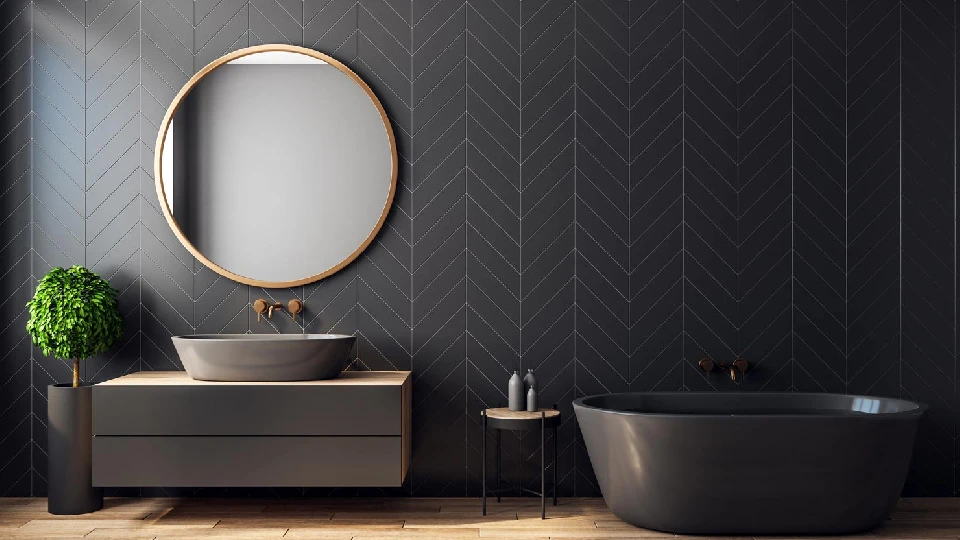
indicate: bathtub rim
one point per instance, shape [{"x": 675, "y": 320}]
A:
[{"x": 919, "y": 407}]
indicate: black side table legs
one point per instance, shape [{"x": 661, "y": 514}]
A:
[{"x": 500, "y": 419}]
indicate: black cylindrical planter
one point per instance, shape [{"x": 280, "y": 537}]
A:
[{"x": 70, "y": 451}]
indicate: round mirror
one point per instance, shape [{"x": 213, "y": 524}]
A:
[{"x": 276, "y": 166}]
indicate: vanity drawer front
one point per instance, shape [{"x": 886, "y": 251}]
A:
[
  {"x": 247, "y": 461},
  {"x": 249, "y": 409}
]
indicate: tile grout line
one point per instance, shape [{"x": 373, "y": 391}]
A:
[
  {"x": 739, "y": 135},
  {"x": 576, "y": 226},
  {"x": 739, "y": 322},
  {"x": 900, "y": 196},
  {"x": 683, "y": 195},
  {"x": 410, "y": 180},
  {"x": 846, "y": 198},
  {"x": 793, "y": 196},
  {"x": 248, "y": 287},
  {"x": 86, "y": 28},
  {"x": 140, "y": 201},
  {"x": 33, "y": 276},
  {"x": 193, "y": 260},
  {"x": 520, "y": 206},
  {"x": 466, "y": 259},
  {"x": 520, "y": 203}
]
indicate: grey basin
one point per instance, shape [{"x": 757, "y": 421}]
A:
[{"x": 255, "y": 357}]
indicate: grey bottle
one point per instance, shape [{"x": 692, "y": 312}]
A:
[
  {"x": 515, "y": 393},
  {"x": 529, "y": 380},
  {"x": 532, "y": 399}
]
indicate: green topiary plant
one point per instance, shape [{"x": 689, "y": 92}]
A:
[{"x": 74, "y": 314}]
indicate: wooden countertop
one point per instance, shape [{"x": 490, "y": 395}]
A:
[{"x": 347, "y": 378}]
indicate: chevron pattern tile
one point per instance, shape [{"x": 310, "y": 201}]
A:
[
  {"x": 605, "y": 191},
  {"x": 710, "y": 173},
  {"x": 819, "y": 198},
  {"x": 764, "y": 281},
  {"x": 873, "y": 198},
  {"x": 548, "y": 175},
  {"x": 494, "y": 123},
  {"x": 656, "y": 210},
  {"x": 601, "y": 208},
  {"x": 438, "y": 242}
]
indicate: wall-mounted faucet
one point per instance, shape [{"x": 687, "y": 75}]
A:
[
  {"x": 261, "y": 306},
  {"x": 739, "y": 366}
]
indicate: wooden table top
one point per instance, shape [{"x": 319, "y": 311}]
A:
[
  {"x": 175, "y": 378},
  {"x": 503, "y": 413}
]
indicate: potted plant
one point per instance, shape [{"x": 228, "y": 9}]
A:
[{"x": 73, "y": 315}]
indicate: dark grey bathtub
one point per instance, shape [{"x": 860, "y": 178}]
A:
[{"x": 749, "y": 463}]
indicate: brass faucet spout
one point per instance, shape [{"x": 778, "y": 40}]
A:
[{"x": 261, "y": 306}]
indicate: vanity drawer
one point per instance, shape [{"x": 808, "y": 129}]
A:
[
  {"x": 247, "y": 461},
  {"x": 248, "y": 409}
]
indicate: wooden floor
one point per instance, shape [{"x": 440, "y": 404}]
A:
[{"x": 373, "y": 519}]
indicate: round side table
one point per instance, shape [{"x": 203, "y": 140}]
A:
[{"x": 503, "y": 418}]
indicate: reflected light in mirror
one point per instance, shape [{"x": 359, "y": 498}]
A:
[
  {"x": 276, "y": 57},
  {"x": 166, "y": 162}
]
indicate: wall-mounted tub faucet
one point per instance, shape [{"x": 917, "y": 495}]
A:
[{"x": 739, "y": 366}]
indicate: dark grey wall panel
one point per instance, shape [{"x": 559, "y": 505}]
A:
[
  {"x": 16, "y": 280},
  {"x": 928, "y": 237},
  {"x": 606, "y": 191}
]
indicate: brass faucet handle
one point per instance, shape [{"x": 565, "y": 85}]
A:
[
  {"x": 293, "y": 307},
  {"x": 260, "y": 306},
  {"x": 738, "y": 366},
  {"x": 706, "y": 364}
]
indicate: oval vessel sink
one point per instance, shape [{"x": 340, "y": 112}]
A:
[{"x": 255, "y": 357}]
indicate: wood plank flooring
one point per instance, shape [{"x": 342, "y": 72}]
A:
[{"x": 388, "y": 519}]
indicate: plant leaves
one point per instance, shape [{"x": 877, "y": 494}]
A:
[{"x": 74, "y": 314}]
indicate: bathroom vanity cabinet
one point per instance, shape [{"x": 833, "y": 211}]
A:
[{"x": 166, "y": 429}]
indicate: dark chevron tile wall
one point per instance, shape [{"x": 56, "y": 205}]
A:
[{"x": 603, "y": 190}]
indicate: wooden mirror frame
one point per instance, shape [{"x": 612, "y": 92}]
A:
[{"x": 161, "y": 139}]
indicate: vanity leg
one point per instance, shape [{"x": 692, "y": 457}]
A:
[
  {"x": 483, "y": 474},
  {"x": 554, "y": 466},
  {"x": 499, "y": 462}
]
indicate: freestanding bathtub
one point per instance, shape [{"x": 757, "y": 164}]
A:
[{"x": 749, "y": 463}]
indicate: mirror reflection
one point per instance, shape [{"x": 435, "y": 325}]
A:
[{"x": 276, "y": 167}]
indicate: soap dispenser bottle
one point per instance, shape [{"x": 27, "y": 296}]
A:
[
  {"x": 515, "y": 393},
  {"x": 529, "y": 380},
  {"x": 532, "y": 399}
]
